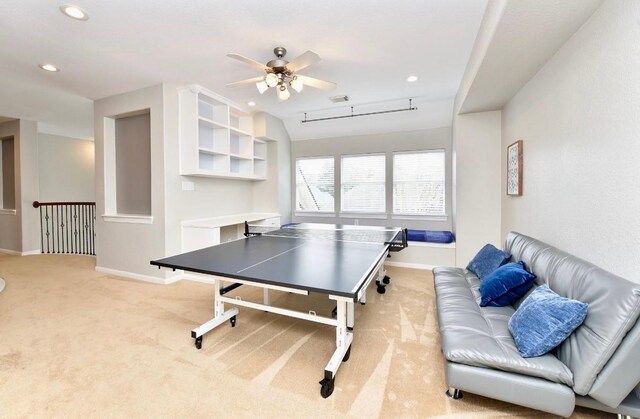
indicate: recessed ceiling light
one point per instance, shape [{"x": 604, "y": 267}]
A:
[
  {"x": 49, "y": 67},
  {"x": 411, "y": 79},
  {"x": 74, "y": 12},
  {"x": 251, "y": 103}
]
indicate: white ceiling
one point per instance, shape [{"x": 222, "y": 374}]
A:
[
  {"x": 526, "y": 36},
  {"x": 368, "y": 47}
]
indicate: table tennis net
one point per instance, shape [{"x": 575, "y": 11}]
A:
[{"x": 335, "y": 233}]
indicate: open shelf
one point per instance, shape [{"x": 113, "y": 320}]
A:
[
  {"x": 212, "y": 110},
  {"x": 240, "y": 121},
  {"x": 216, "y": 138},
  {"x": 214, "y": 163}
]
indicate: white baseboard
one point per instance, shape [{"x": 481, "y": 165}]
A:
[
  {"x": 205, "y": 279},
  {"x": 146, "y": 278},
  {"x": 39, "y": 252},
  {"x": 410, "y": 265},
  {"x": 11, "y": 252},
  {"x": 31, "y": 252}
]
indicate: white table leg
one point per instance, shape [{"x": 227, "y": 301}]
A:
[
  {"x": 344, "y": 338},
  {"x": 219, "y": 316}
]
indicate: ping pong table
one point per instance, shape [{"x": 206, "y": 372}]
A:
[{"x": 340, "y": 261}]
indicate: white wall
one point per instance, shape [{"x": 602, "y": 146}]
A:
[
  {"x": 274, "y": 194},
  {"x": 437, "y": 138},
  {"x": 579, "y": 118},
  {"x": 20, "y": 232},
  {"x": 29, "y": 189},
  {"x": 476, "y": 144},
  {"x": 211, "y": 197},
  {"x": 121, "y": 246},
  {"x": 10, "y": 233},
  {"x": 67, "y": 168}
]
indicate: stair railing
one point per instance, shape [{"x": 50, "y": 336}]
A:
[{"x": 67, "y": 227}]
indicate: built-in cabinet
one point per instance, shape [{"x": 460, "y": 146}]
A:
[
  {"x": 198, "y": 234},
  {"x": 216, "y": 138}
]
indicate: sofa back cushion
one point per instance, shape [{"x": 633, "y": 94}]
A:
[{"x": 614, "y": 305}]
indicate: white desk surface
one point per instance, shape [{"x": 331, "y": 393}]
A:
[{"x": 227, "y": 220}]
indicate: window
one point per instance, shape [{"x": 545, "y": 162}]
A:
[
  {"x": 315, "y": 189},
  {"x": 418, "y": 183},
  {"x": 7, "y": 177},
  {"x": 363, "y": 183}
]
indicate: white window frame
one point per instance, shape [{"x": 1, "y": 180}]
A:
[
  {"x": 363, "y": 214},
  {"x": 304, "y": 213},
  {"x": 429, "y": 217}
]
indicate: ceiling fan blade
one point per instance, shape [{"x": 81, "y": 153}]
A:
[
  {"x": 318, "y": 84},
  {"x": 244, "y": 82},
  {"x": 303, "y": 61},
  {"x": 252, "y": 63}
]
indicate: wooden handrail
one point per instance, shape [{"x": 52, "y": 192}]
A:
[{"x": 37, "y": 204}]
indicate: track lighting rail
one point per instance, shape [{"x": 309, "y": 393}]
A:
[{"x": 353, "y": 115}]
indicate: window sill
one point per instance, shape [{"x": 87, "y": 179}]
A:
[
  {"x": 314, "y": 214},
  {"x": 370, "y": 215},
  {"x": 7, "y": 211},
  {"x": 126, "y": 218},
  {"x": 419, "y": 217}
]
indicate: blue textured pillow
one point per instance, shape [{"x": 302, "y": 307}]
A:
[
  {"x": 505, "y": 285},
  {"x": 488, "y": 259},
  {"x": 544, "y": 321}
]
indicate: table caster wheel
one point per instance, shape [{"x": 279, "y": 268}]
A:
[
  {"x": 326, "y": 388},
  {"x": 386, "y": 279},
  {"x": 381, "y": 289},
  {"x": 233, "y": 321},
  {"x": 199, "y": 342},
  {"x": 347, "y": 355}
]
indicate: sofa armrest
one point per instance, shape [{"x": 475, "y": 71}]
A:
[{"x": 621, "y": 374}]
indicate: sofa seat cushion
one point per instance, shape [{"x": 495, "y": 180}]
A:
[{"x": 479, "y": 336}]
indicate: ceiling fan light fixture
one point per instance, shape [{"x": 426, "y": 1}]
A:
[
  {"x": 272, "y": 79},
  {"x": 262, "y": 86},
  {"x": 296, "y": 85},
  {"x": 283, "y": 93}
]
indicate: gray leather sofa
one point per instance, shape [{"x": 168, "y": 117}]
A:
[{"x": 598, "y": 366}]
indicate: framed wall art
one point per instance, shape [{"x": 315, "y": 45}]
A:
[{"x": 514, "y": 169}]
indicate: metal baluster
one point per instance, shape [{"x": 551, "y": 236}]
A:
[
  {"x": 46, "y": 219},
  {"x": 41, "y": 233},
  {"x": 93, "y": 229},
  {"x": 75, "y": 229},
  {"x": 84, "y": 230},
  {"x": 57, "y": 250},
  {"x": 66, "y": 230}
]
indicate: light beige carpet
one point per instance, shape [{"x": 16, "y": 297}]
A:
[{"x": 77, "y": 343}]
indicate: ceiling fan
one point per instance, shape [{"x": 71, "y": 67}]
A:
[{"x": 280, "y": 73}]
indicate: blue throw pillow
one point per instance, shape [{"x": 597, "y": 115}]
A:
[
  {"x": 544, "y": 321},
  {"x": 488, "y": 259},
  {"x": 505, "y": 285}
]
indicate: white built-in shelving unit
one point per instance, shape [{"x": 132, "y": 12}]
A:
[{"x": 216, "y": 138}]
